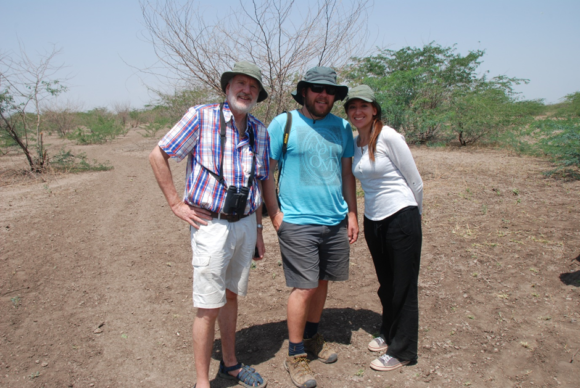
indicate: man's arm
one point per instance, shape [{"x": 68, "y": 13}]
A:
[
  {"x": 349, "y": 194},
  {"x": 269, "y": 186},
  {"x": 160, "y": 163}
]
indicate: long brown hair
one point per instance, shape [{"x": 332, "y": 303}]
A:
[
  {"x": 376, "y": 131},
  {"x": 377, "y": 125}
]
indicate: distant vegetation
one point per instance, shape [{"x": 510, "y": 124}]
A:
[{"x": 433, "y": 95}]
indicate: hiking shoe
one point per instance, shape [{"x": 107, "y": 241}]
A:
[
  {"x": 316, "y": 347},
  {"x": 387, "y": 363},
  {"x": 378, "y": 345},
  {"x": 299, "y": 369}
]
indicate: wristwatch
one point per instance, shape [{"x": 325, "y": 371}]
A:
[{"x": 259, "y": 226}]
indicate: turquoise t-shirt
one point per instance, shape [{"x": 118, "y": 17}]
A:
[{"x": 311, "y": 180}]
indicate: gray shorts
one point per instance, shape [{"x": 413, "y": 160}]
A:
[{"x": 314, "y": 252}]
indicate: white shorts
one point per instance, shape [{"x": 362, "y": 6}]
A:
[{"x": 222, "y": 256}]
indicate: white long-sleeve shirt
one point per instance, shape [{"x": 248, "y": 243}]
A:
[{"x": 392, "y": 182}]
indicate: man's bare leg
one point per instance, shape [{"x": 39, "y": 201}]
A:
[
  {"x": 227, "y": 320},
  {"x": 317, "y": 302},
  {"x": 298, "y": 307},
  {"x": 203, "y": 335}
]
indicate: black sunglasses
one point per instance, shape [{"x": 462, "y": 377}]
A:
[{"x": 330, "y": 90}]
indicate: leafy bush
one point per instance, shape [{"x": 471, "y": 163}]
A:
[
  {"x": 97, "y": 126},
  {"x": 66, "y": 161},
  {"x": 560, "y": 140},
  {"x": 433, "y": 93},
  {"x": 170, "y": 108},
  {"x": 570, "y": 107}
]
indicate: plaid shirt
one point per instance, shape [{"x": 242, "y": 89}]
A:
[{"x": 197, "y": 136}]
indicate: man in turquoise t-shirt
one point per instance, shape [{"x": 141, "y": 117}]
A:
[{"x": 318, "y": 216}]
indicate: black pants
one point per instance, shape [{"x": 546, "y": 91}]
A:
[{"x": 395, "y": 245}]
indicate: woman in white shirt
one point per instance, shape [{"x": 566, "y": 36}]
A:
[{"x": 392, "y": 225}]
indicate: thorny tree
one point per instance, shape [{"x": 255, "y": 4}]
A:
[
  {"x": 24, "y": 84},
  {"x": 283, "y": 38}
]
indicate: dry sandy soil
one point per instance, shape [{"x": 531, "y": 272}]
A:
[{"x": 95, "y": 281}]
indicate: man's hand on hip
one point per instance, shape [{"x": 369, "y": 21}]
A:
[{"x": 194, "y": 216}]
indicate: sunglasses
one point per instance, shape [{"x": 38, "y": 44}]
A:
[{"x": 330, "y": 90}]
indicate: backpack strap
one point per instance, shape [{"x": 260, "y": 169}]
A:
[
  {"x": 284, "y": 149},
  {"x": 286, "y": 133}
]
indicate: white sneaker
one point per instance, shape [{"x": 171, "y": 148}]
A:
[
  {"x": 378, "y": 345},
  {"x": 387, "y": 363}
]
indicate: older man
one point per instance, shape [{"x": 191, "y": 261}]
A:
[
  {"x": 228, "y": 157},
  {"x": 318, "y": 215}
]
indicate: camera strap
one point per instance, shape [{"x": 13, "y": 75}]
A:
[{"x": 223, "y": 126}]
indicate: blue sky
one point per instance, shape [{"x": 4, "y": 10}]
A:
[{"x": 103, "y": 42}]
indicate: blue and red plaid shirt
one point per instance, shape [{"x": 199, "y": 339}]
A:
[{"x": 197, "y": 136}]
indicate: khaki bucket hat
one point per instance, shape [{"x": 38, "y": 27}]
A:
[
  {"x": 245, "y": 68},
  {"x": 365, "y": 93}
]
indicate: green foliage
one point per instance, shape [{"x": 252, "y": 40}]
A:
[
  {"x": 433, "y": 93},
  {"x": 485, "y": 112},
  {"x": 66, "y": 161},
  {"x": 170, "y": 108},
  {"x": 96, "y": 127},
  {"x": 560, "y": 140},
  {"x": 570, "y": 107}
]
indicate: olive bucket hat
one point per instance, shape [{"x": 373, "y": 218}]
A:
[
  {"x": 319, "y": 76},
  {"x": 365, "y": 93},
  {"x": 245, "y": 68}
]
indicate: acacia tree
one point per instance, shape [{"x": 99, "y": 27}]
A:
[
  {"x": 415, "y": 85},
  {"x": 265, "y": 32},
  {"x": 24, "y": 85},
  {"x": 431, "y": 91}
]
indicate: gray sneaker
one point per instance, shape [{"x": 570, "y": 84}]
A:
[
  {"x": 299, "y": 369},
  {"x": 387, "y": 363}
]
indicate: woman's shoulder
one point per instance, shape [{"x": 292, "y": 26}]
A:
[{"x": 388, "y": 133}]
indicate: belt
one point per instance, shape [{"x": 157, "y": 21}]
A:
[{"x": 229, "y": 217}]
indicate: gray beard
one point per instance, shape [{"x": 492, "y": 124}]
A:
[{"x": 238, "y": 107}]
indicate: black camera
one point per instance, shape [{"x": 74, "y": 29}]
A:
[{"x": 236, "y": 200}]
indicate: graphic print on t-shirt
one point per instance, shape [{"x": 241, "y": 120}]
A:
[{"x": 320, "y": 158}]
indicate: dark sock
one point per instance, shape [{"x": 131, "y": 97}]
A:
[
  {"x": 296, "y": 348},
  {"x": 310, "y": 330}
]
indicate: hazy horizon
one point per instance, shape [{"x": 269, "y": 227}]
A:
[{"x": 104, "y": 44}]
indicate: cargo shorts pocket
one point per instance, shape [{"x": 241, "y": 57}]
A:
[{"x": 200, "y": 260}]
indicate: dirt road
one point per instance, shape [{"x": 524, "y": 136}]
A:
[{"x": 95, "y": 281}]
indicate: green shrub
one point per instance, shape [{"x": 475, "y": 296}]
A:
[
  {"x": 570, "y": 107},
  {"x": 66, "y": 161},
  {"x": 560, "y": 140},
  {"x": 557, "y": 139},
  {"x": 97, "y": 126}
]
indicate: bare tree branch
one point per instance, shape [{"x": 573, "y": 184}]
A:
[
  {"x": 24, "y": 85},
  {"x": 283, "y": 39}
]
